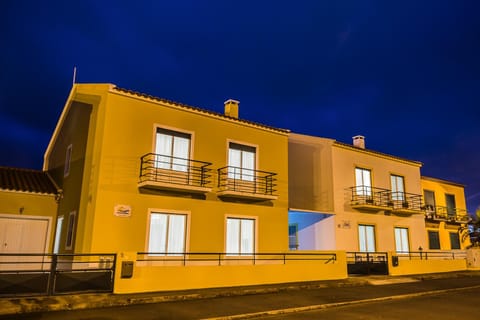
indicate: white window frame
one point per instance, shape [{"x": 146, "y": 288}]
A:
[
  {"x": 402, "y": 242},
  {"x": 397, "y": 184},
  {"x": 172, "y": 164},
  {"x": 168, "y": 214},
  {"x": 241, "y": 251},
  {"x": 68, "y": 160},
  {"x": 240, "y": 171},
  {"x": 366, "y": 240},
  {"x": 70, "y": 238},
  {"x": 363, "y": 186}
]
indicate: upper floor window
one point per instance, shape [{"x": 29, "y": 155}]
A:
[
  {"x": 429, "y": 198},
  {"x": 68, "y": 159},
  {"x": 172, "y": 149},
  {"x": 450, "y": 202},
  {"x": 398, "y": 187},
  {"x": 363, "y": 182},
  {"x": 241, "y": 160}
]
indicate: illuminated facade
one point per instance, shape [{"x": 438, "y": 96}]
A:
[
  {"x": 145, "y": 174},
  {"x": 446, "y": 215},
  {"x": 346, "y": 197}
]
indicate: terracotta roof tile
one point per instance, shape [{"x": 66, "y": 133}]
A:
[
  {"x": 26, "y": 180},
  {"x": 147, "y": 96}
]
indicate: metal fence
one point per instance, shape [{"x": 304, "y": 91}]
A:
[
  {"x": 432, "y": 255},
  {"x": 51, "y": 274},
  {"x": 221, "y": 258}
]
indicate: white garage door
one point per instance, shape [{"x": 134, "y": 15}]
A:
[{"x": 23, "y": 235}]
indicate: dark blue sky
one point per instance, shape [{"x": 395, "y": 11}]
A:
[{"x": 405, "y": 74}]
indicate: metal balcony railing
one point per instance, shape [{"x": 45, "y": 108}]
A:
[
  {"x": 441, "y": 213},
  {"x": 246, "y": 181},
  {"x": 157, "y": 169},
  {"x": 368, "y": 197}
]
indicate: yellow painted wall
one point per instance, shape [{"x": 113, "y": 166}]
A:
[
  {"x": 407, "y": 267},
  {"x": 440, "y": 188},
  {"x": 124, "y": 128},
  {"x": 164, "y": 278},
  {"x": 32, "y": 204}
]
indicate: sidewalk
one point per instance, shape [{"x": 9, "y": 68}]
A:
[{"x": 18, "y": 305}]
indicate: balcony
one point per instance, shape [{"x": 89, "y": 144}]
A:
[
  {"x": 451, "y": 215},
  {"x": 241, "y": 183},
  {"x": 372, "y": 199},
  {"x": 174, "y": 174}
]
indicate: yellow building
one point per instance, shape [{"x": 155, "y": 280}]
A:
[
  {"x": 346, "y": 197},
  {"x": 446, "y": 215},
  {"x": 28, "y": 207},
  {"x": 144, "y": 174}
]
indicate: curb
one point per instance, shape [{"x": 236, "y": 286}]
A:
[{"x": 338, "y": 304}]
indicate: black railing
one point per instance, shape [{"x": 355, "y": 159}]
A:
[
  {"x": 440, "y": 213},
  {"x": 158, "y": 168},
  {"x": 222, "y": 258},
  {"x": 247, "y": 181},
  {"x": 432, "y": 255},
  {"x": 24, "y": 273},
  {"x": 385, "y": 199}
]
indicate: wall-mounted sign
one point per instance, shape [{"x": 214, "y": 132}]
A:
[
  {"x": 122, "y": 210},
  {"x": 344, "y": 225}
]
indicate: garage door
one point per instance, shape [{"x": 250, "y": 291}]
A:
[{"x": 23, "y": 235}]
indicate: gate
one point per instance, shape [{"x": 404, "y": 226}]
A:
[
  {"x": 367, "y": 263},
  {"x": 50, "y": 274}
]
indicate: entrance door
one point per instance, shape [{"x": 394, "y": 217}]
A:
[{"x": 23, "y": 235}]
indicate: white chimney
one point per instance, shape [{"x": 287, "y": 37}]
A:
[
  {"x": 359, "y": 142},
  {"x": 231, "y": 108}
]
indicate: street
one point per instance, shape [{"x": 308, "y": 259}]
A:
[{"x": 459, "y": 298}]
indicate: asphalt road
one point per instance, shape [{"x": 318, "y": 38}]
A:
[
  {"x": 450, "y": 304},
  {"x": 446, "y": 306}
]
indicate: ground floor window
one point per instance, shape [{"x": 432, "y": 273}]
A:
[
  {"x": 58, "y": 234},
  {"x": 454, "y": 240},
  {"x": 167, "y": 233},
  {"x": 240, "y": 237},
  {"x": 366, "y": 237},
  {"x": 293, "y": 236},
  {"x": 401, "y": 240},
  {"x": 433, "y": 240}
]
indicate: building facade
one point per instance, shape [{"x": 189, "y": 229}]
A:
[
  {"x": 446, "y": 216},
  {"x": 346, "y": 197},
  {"x": 145, "y": 174}
]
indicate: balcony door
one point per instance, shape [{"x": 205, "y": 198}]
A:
[
  {"x": 172, "y": 150},
  {"x": 450, "y": 201},
  {"x": 363, "y": 182}
]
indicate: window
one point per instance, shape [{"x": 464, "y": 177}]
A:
[
  {"x": 454, "y": 240},
  {"x": 450, "y": 201},
  {"x": 70, "y": 230},
  {"x": 58, "y": 234},
  {"x": 401, "y": 240},
  {"x": 241, "y": 162},
  {"x": 433, "y": 240},
  {"x": 167, "y": 233},
  {"x": 366, "y": 236},
  {"x": 429, "y": 198},
  {"x": 172, "y": 149},
  {"x": 68, "y": 159},
  {"x": 363, "y": 182},
  {"x": 240, "y": 236},
  {"x": 398, "y": 188},
  {"x": 293, "y": 236}
]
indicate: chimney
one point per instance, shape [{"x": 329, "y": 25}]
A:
[
  {"x": 231, "y": 108},
  {"x": 359, "y": 142}
]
